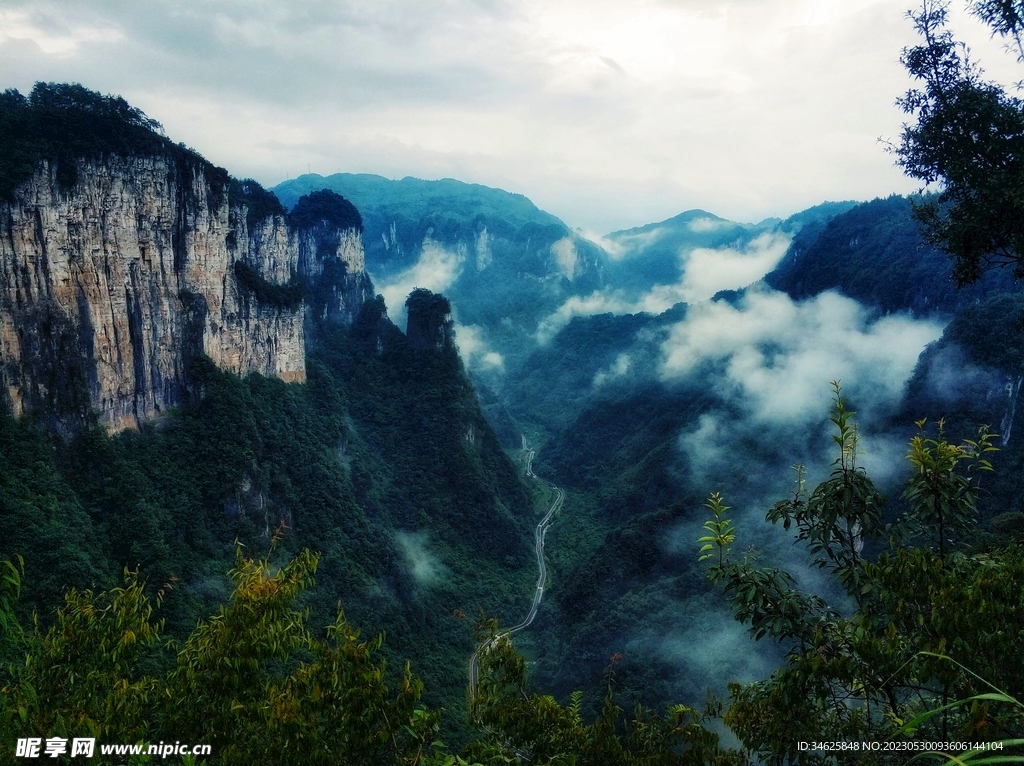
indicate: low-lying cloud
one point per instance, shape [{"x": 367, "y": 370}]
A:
[
  {"x": 476, "y": 352},
  {"x": 705, "y": 271},
  {"x": 619, "y": 368},
  {"x": 704, "y": 224},
  {"x": 436, "y": 270},
  {"x": 423, "y": 565},
  {"x": 774, "y": 356}
]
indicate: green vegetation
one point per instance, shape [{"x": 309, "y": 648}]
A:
[
  {"x": 536, "y": 728},
  {"x": 278, "y": 674},
  {"x": 267, "y": 293},
  {"x": 873, "y": 253},
  {"x": 381, "y": 461},
  {"x": 970, "y": 376},
  {"x": 619, "y": 585},
  {"x": 62, "y": 123},
  {"x": 497, "y": 246},
  {"x": 429, "y": 320},
  {"x": 259, "y": 202},
  {"x": 258, "y": 686},
  {"x": 439, "y": 202},
  {"x": 969, "y": 139},
  {"x": 862, "y": 668},
  {"x": 556, "y": 383},
  {"x": 252, "y": 681},
  {"x": 325, "y": 206}
]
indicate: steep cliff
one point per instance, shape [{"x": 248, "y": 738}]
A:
[
  {"x": 429, "y": 321},
  {"x": 117, "y": 268}
]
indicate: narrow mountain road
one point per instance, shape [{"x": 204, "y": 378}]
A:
[{"x": 542, "y": 573}]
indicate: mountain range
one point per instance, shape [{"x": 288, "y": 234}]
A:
[{"x": 195, "y": 366}]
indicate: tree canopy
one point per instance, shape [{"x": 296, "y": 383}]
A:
[
  {"x": 924, "y": 644},
  {"x": 62, "y": 122},
  {"x": 326, "y": 206},
  {"x": 968, "y": 139}
]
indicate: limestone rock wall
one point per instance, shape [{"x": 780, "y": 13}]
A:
[
  {"x": 333, "y": 264},
  {"x": 109, "y": 287}
]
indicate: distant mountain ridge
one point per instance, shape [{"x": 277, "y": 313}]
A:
[
  {"x": 874, "y": 252},
  {"x": 503, "y": 262},
  {"x": 399, "y": 214}
]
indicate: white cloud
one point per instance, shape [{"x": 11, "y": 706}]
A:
[
  {"x": 595, "y": 303},
  {"x": 776, "y": 356},
  {"x": 622, "y": 365},
  {"x": 636, "y": 241},
  {"x": 564, "y": 251},
  {"x": 483, "y": 250},
  {"x": 608, "y": 113},
  {"x": 708, "y": 444},
  {"x": 714, "y": 646},
  {"x": 612, "y": 248},
  {"x": 423, "y": 565},
  {"x": 57, "y": 40},
  {"x": 701, "y": 225},
  {"x": 475, "y": 350},
  {"x": 707, "y": 271},
  {"x": 436, "y": 270}
]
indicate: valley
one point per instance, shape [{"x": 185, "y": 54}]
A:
[
  {"x": 446, "y": 404},
  {"x": 634, "y": 394}
]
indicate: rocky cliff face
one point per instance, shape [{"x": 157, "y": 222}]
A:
[{"x": 109, "y": 287}]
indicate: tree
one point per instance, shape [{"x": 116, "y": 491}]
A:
[
  {"x": 532, "y": 728},
  {"x": 252, "y": 681},
  {"x": 918, "y": 627},
  {"x": 968, "y": 139}
]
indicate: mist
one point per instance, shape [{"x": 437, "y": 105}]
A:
[
  {"x": 436, "y": 269},
  {"x": 424, "y": 566},
  {"x": 703, "y": 273},
  {"x": 776, "y": 356},
  {"x": 477, "y": 354}
]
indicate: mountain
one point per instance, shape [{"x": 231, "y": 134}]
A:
[
  {"x": 874, "y": 252},
  {"x": 202, "y": 375},
  {"x": 502, "y": 262},
  {"x": 192, "y": 374},
  {"x": 651, "y": 255},
  {"x": 119, "y": 260},
  {"x": 645, "y": 414}
]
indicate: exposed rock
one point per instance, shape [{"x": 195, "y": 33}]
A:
[{"x": 108, "y": 288}]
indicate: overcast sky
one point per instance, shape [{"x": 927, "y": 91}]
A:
[{"x": 607, "y": 113}]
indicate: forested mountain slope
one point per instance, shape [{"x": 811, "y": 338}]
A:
[
  {"x": 875, "y": 253},
  {"x": 380, "y": 459},
  {"x": 648, "y": 414}
]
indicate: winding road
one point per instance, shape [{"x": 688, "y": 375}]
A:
[{"x": 542, "y": 573}]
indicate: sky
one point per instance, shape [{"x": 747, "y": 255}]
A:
[{"x": 607, "y": 113}]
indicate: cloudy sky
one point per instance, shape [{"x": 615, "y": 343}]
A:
[{"x": 607, "y": 113}]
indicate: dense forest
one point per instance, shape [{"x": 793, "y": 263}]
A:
[{"x": 300, "y": 572}]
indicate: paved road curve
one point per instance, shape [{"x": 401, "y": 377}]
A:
[{"x": 542, "y": 573}]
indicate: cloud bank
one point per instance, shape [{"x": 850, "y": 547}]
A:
[
  {"x": 706, "y": 271},
  {"x": 774, "y": 355}
]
